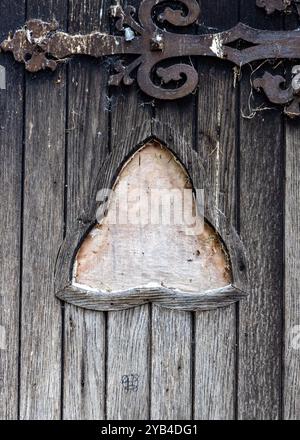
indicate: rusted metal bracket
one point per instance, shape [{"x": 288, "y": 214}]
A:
[{"x": 41, "y": 45}]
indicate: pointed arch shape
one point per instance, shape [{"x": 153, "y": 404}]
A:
[{"x": 173, "y": 298}]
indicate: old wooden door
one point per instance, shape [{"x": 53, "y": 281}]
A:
[{"x": 57, "y": 129}]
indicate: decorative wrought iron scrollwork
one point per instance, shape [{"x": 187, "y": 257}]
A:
[
  {"x": 142, "y": 34},
  {"x": 277, "y": 93}
]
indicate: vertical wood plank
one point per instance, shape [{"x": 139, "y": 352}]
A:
[
  {"x": 171, "y": 397},
  {"x": 261, "y": 220},
  {"x": 128, "y": 365},
  {"x": 84, "y": 365},
  {"x": 215, "y": 331},
  {"x": 40, "y": 373},
  {"x": 291, "y": 307},
  {"x": 11, "y": 151},
  {"x": 291, "y": 398},
  {"x": 215, "y": 356},
  {"x": 171, "y": 347},
  {"x": 87, "y": 146},
  {"x": 128, "y": 335}
]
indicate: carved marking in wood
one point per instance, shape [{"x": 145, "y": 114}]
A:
[{"x": 130, "y": 382}]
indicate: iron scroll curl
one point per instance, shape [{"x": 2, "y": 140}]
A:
[{"x": 161, "y": 48}]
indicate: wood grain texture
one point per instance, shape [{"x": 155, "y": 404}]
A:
[
  {"x": 127, "y": 364},
  {"x": 261, "y": 220},
  {"x": 130, "y": 127},
  {"x": 171, "y": 391},
  {"x": 148, "y": 361},
  {"x": 215, "y": 357},
  {"x": 216, "y": 143},
  {"x": 84, "y": 365},
  {"x": 163, "y": 297},
  {"x": 11, "y": 151},
  {"x": 43, "y": 233},
  {"x": 291, "y": 306},
  {"x": 173, "y": 124},
  {"x": 291, "y": 397},
  {"x": 87, "y": 146}
]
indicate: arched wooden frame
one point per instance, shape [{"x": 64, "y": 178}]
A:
[{"x": 165, "y": 297}]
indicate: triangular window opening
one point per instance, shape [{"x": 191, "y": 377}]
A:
[{"x": 152, "y": 234}]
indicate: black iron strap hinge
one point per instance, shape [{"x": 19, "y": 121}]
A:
[{"x": 41, "y": 45}]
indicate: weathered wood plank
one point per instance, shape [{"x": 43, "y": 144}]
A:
[
  {"x": 171, "y": 366},
  {"x": 43, "y": 233},
  {"x": 127, "y": 364},
  {"x": 87, "y": 127},
  {"x": 291, "y": 398},
  {"x": 128, "y": 335},
  {"x": 84, "y": 365},
  {"x": 215, "y": 332},
  {"x": 87, "y": 145},
  {"x": 11, "y": 151},
  {"x": 215, "y": 357},
  {"x": 291, "y": 307},
  {"x": 261, "y": 220}
]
